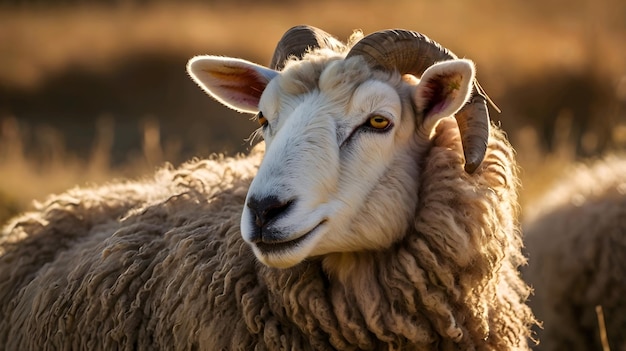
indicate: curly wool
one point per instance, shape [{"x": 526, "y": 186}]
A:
[
  {"x": 160, "y": 264},
  {"x": 576, "y": 241},
  {"x": 112, "y": 267}
]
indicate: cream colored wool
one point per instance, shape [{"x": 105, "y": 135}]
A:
[
  {"x": 160, "y": 264},
  {"x": 575, "y": 238}
]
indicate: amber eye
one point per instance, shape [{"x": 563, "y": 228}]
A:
[
  {"x": 378, "y": 122},
  {"x": 261, "y": 119}
]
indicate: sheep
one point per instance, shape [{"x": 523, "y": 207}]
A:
[
  {"x": 368, "y": 219},
  {"x": 575, "y": 237}
]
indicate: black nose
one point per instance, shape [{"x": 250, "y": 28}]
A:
[{"x": 267, "y": 209}]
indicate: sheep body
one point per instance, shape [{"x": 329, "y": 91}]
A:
[
  {"x": 161, "y": 264},
  {"x": 93, "y": 264},
  {"x": 575, "y": 237},
  {"x": 166, "y": 263}
]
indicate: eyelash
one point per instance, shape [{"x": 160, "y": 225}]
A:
[
  {"x": 368, "y": 127},
  {"x": 261, "y": 119}
]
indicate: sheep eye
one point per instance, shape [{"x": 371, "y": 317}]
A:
[
  {"x": 261, "y": 119},
  {"x": 378, "y": 122}
]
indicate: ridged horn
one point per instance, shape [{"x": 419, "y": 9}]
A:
[
  {"x": 411, "y": 52},
  {"x": 297, "y": 40}
]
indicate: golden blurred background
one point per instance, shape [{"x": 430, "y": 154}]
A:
[{"x": 96, "y": 90}]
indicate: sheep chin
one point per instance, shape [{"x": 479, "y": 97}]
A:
[{"x": 288, "y": 254}]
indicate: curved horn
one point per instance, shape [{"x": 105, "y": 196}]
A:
[
  {"x": 297, "y": 40},
  {"x": 412, "y": 52}
]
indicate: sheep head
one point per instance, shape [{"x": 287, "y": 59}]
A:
[{"x": 343, "y": 145}]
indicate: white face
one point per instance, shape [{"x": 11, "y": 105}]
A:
[
  {"x": 340, "y": 172},
  {"x": 325, "y": 184}
]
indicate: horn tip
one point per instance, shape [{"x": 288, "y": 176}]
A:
[
  {"x": 474, "y": 158},
  {"x": 471, "y": 166}
]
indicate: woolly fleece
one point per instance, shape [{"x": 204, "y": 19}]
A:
[
  {"x": 576, "y": 242},
  {"x": 160, "y": 264}
]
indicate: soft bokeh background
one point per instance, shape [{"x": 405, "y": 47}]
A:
[{"x": 96, "y": 90}]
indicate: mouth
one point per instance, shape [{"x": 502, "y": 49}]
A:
[{"x": 285, "y": 246}]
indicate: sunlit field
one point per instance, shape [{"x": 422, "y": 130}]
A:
[{"x": 91, "y": 93}]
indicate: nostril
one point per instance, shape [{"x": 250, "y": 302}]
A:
[{"x": 267, "y": 209}]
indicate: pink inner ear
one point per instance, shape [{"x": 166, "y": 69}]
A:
[
  {"x": 435, "y": 93},
  {"x": 245, "y": 85}
]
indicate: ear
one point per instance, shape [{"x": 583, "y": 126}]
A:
[
  {"x": 235, "y": 83},
  {"x": 443, "y": 89}
]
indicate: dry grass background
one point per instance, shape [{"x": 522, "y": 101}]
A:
[{"x": 556, "y": 68}]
